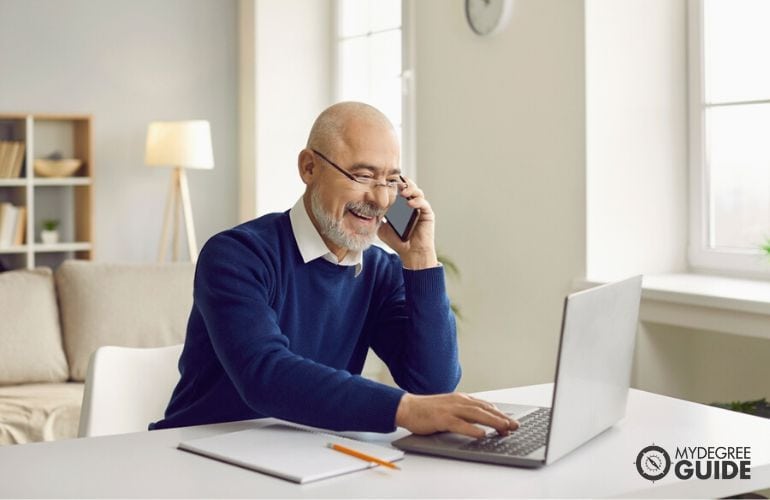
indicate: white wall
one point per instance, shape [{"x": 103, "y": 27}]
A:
[
  {"x": 636, "y": 107},
  {"x": 128, "y": 63},
  {"x": 637, "y": 191},
  {"x": 290, "y": 86},
  {"x": 500, "y": 155},
  {"x": 702, "y": 366}
]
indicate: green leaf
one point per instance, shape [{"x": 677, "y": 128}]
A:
[
  {"x": 451, "y": 267},
  {"x": 766, "y": 247},
  {"x": 743, "y": 406},
  {"x": 452, "y": 271},
  {"x": 456, "y": 311}
]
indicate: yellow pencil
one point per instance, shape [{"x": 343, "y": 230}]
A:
[{"x": 361, "y": 456}]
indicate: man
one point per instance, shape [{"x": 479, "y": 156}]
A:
[{"x": 286, "y": 306}]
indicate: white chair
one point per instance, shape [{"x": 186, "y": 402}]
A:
[{"x": 127, "y": 388}]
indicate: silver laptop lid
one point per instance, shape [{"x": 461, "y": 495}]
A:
[{"x": 593, "y": 371}]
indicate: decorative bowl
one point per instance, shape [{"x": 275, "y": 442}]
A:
[{"x": 57, "y": 168}]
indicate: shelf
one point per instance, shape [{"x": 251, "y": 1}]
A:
[
  {"x": 66, "y": 199},
  {"x": 62, "y": 181},
  {"x": 61, "y": 247},
  {"x": 12, "y": 182},
  {"x": 41, "y": 248},
  {"x": 14, "y": 249},
  {"x": 53, "y": 181}
]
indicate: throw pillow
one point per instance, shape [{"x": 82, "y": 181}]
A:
[
  {"x": 30, "y": 338},
  {"x": 131, "y": 305}
]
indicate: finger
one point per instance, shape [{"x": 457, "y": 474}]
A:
[
  {"x": 412, "y": 192},
  {"x": 482, "y": 402},
  {"x": 420, "y": 203},
  {"x": 512, "y": 423},
  {"x": 423, "y": 205},
  {"x": 481, "y": 416},
  {"x": 389, "y": 236},
  {"x": 474, "y": 401},
  {"x": 417, "y": 202},
  {"x": 460, "y": 426},
  {"x": 410, "y": 188}
]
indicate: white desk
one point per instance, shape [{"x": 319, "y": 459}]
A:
[{"x": 148, "y": 464}]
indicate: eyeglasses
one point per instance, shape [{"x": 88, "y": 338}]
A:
[{"x": 366, "y": 180}]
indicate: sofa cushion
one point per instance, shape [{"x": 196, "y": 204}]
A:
[
  {"x": 39, "y": 412},
  {"x": 132, "y": 305},
  {"x": 30, "y": 338}
]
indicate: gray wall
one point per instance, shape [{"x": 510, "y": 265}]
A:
[{"x": 128, "y": 63}]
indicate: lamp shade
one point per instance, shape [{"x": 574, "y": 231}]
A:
[{"x": 179, "y": 144}]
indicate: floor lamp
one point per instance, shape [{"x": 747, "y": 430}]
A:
[{"x": 181, "y": 145}]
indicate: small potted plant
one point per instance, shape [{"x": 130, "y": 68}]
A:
[
  {"x": 758, "y": 407},
  {"x": 50, "y": 233}
]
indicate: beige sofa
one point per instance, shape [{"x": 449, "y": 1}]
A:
[{"x": 50, "y": 323}]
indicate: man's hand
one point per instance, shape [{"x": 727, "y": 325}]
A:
[
  {"x": 419, "y": 251},
  {"x": 455, "y": 412}
]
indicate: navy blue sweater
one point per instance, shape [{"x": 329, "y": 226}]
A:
[{"x": 269, "y": 335}]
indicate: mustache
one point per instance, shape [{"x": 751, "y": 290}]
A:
[{"x": 366, "y": 209}]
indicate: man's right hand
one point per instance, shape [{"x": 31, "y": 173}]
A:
[{"x": 455, "y": 412}]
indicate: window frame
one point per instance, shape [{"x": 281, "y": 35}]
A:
[
  {"x": 408, "y": 113},
  {"x": 703, "y": 258}
]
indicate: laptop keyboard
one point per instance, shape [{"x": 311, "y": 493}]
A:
[{"x": 531, "y": 435}]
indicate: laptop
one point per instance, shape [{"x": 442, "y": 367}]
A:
[{"x": 593, "y": 373}]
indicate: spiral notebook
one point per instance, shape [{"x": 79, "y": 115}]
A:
[{"x": 289, "y": 452}]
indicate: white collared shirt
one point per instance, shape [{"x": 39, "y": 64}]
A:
[{"x": 311, "y": 245}]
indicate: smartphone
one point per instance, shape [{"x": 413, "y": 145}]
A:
[{"x": 402, "y": 218}]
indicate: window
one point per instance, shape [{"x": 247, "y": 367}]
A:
[
  {"x": 370, "y": 63},
  {"x": 730, "y": 135}
]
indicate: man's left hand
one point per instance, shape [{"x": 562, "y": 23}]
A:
[{"x": 419, "y": 251}]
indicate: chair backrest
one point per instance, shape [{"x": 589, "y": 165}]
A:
[{"x": 127, "y": 388}]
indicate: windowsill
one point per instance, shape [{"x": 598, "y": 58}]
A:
[{"x": 702, "y": 302}]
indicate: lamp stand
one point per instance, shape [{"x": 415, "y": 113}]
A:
[{"x": 178, "y": 198}]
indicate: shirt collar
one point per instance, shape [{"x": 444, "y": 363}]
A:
[{"x": 311, "y": 245}]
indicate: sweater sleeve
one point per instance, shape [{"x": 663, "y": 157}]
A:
[
  {"x": 233, "y": 285},
  {"x": 414, "y": 331}
]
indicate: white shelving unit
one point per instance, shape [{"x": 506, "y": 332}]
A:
[{"x": 67, "y": 199}]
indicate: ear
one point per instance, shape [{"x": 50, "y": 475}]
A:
[{"x": 307, "y": 166}]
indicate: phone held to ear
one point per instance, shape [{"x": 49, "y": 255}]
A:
[{"x": 402, "y": 218}]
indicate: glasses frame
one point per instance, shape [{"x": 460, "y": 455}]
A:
[{"x": 373, "y": 184}]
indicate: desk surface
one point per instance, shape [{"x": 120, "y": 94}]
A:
[{"x": 147, "y": 464}]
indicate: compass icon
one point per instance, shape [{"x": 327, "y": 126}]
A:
[{"x": 653, "y": 462}]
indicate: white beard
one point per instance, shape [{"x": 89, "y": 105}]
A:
[{"x": 355, "y": 241}]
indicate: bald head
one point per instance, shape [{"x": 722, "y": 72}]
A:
[{"x": 337, "y": 126}]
